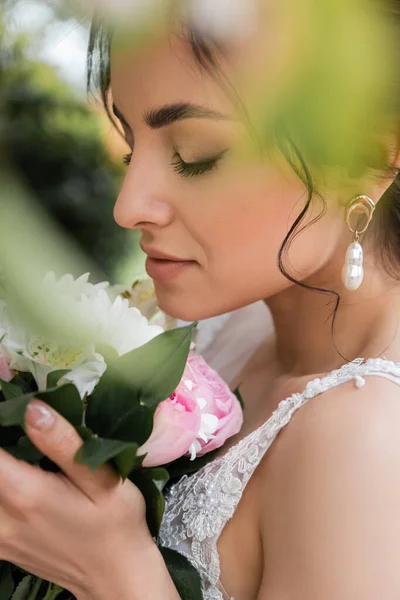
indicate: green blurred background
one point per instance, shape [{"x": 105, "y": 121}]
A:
[
  {"x": 336, "y": 92},
  {"x": 57, "y": 141}
]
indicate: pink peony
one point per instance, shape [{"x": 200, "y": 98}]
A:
[
  {"x": 177, "y": 422},
  {"x": 216, "y": 400},
  {"x": 6, "y": 374},
  {"x": 199, "y": 417}
]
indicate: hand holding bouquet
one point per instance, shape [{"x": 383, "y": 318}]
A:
[{"x": 135, "y": 399}]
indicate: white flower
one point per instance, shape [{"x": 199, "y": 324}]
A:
[
  {"x": 29, "y": 352},
  {"x": 73, "y": 287},
  {"x": 116, "y": 323},
  {"x": 208, "y": 426},
  {"x": 109, "y": 322},
  {"x": 87, "y": 375},
  {"x": 142, "y": 295},
  {"x": 42, "y": 358}
]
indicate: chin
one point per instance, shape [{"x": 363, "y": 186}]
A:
[
  {"x": 186, "y": 313},
  {"x": 187, "y": 308}
]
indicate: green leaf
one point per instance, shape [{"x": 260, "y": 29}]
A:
[
  {"x": 84, "y": 432},
  {"x": 96, "y": 452},
  {"x": 10, "y": 390},
  {"x": 25, "y": 381},
  {"x": 134, "y": 424},
  {"x": 122, "y": 405},
  {"x": 23, "y": 589},
  {"x": 155, "y": 369},
  {"x": 113, "y": 412},
  {"x": 34, "y": 593},
  {"x": 12, "y": 412},
  {"x": 6, "y": 581},
  {"x": 239, "y": 396},
  {"x": 155, "y": 502},
  {"x": 128, "y": 461},
  {"x": 54, "y": 377},
  {"x": 25, "y": 450},
  {"x": 64, "y": 399},
  {"x": 185, "y": 577},
  {"x": 159, "y": 476}
]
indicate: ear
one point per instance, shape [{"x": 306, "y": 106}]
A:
[
  {"x": 380, "y": 183},
  {"x": 344, "y": 185}
]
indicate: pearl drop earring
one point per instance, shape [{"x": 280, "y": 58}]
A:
[{"x": 361, "y": 208}]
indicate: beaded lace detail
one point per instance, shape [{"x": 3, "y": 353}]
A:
[{"x": 199, "y": 506}]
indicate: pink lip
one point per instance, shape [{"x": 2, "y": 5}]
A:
[
  {"x": 162, "y": 270},
  {"x": 153, "y": 253},
  {"x": 161, "y": 266}
]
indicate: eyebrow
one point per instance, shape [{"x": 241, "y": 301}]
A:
[{"x": 171, "y": 113}]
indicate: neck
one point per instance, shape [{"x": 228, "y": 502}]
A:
[{"x": 366, "y": 323}]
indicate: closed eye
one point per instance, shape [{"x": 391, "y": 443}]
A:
[
  {"x": 197, "y": 168},
  {"x": 186, "y": 169}
]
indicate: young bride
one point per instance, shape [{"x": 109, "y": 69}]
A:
[{"x": 314, "y": 512}]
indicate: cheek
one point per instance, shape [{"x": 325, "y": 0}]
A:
[
  {"x": 250, "y": 221},
  {"x": 240, "y": 228},
  {"x": 246, "y": 232}
]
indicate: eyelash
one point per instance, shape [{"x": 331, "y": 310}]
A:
[{"x": 188, "y": 169}]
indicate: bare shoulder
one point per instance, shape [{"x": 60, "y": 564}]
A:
[
  {"x": 348, "y": 413},
  {"x": 331, "y": 497},
  {"x": 346, "y": 426}
]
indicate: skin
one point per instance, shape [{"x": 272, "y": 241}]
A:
[
  {"x": 232, "y": 221},
  {"x": 206, "y": 218},
  {"x": 56, "y": 534},
  {"x": 339, "y": 457}
]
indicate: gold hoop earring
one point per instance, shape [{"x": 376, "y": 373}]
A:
[{"x": 360, "y": 208}]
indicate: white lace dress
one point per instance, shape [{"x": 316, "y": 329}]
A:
[{"x": 199, "y": 506}]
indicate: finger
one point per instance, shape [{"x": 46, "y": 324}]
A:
[
  {"x": 58, "y": 440},
  {"x": 18, "y": 479}
]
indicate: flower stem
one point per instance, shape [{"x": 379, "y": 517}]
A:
[
  {"x": 53, "y": 592},
  {"x": 35, "y": 590}
]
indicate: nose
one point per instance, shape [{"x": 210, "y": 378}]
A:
[{"x": 143, "y": 200}]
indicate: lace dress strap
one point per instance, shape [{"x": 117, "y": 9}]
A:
[
  {"x": 252, "y": 448},
  {"x": 198, "y": 507}
]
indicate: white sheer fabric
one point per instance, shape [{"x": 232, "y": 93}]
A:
[
  {"x": 199, "y": 506},
  {"x": 227, "y": 341}
]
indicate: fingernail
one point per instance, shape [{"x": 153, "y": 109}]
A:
[{"x": 39, "y": 416}]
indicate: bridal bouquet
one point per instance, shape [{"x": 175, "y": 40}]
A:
[{"x": 137, "y": 395}]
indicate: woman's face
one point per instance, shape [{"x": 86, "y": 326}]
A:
[{"x": 193, "y": 197}]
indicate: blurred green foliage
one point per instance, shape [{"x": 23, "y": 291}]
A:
[{"x": 54, "y": 144}]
